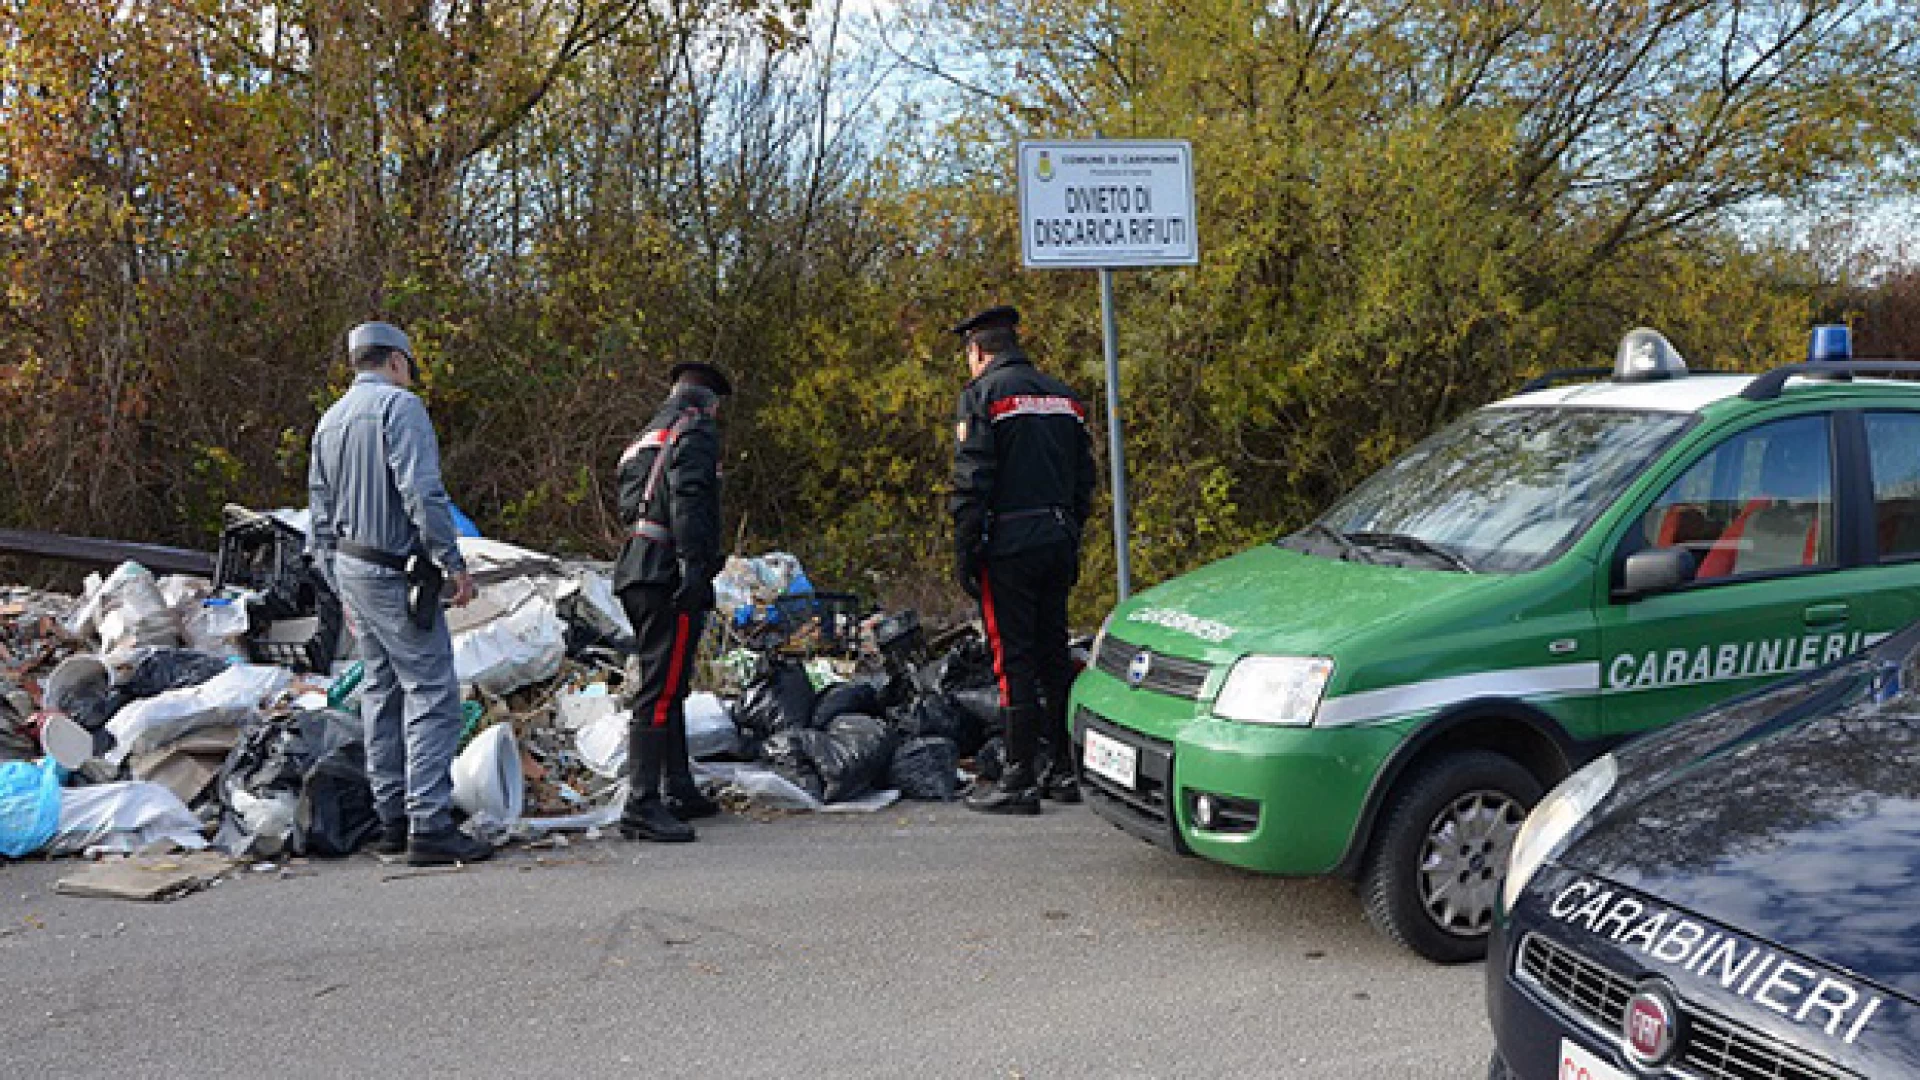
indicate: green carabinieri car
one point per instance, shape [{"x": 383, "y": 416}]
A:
[{"x": 1385, "y": 693}]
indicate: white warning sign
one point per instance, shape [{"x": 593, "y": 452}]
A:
[{"x": 1107, "y": 203}]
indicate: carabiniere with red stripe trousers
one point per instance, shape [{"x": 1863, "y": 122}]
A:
[
  {"x": 1022, "y": 487},
  {"x": 670, "y": 502}
]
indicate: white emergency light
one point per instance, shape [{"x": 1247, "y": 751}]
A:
[{"x": 1646, "y": 356}]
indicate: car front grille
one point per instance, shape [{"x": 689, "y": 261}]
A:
[
  {"x": 1148, "y": 801},
  {"x": 1166, "y": 674},
  {"x": 1713, "y": 1047}
]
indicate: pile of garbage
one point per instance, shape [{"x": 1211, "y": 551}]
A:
[{"x": 223, "y": 713}]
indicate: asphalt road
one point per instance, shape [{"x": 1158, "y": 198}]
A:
[{"x": 923, "y": 941}]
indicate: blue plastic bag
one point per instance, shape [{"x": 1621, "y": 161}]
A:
[
  {"x": 29, "y": 806},
  {"x": 462, "y": 524}
]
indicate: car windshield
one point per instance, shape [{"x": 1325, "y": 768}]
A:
[{"x": 1504, "y": 490}]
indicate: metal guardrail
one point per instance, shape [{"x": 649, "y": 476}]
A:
[{"x": 95, "y": 552}]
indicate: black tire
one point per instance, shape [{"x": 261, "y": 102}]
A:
[
  {"x": 1458, "y": 815},
  {"x": 1497, "y": 1068}
]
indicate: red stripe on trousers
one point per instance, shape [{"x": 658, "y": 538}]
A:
[
  {"x": 993, "y": 638},
  {"x": 675, "y": 668}
]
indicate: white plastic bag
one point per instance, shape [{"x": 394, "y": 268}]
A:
[
  {"x": 603, "y": 744},
  {"x": 132, "y": 612},
  {"x": 123, "y": 817},
  {"x": 578, "y": 708},
  {"x": 217, "y": 625},
  {"x": 710, "y": 730},
  {"x": 766, "y": 788},
  {"x": 231, "y": 697},
  {"x": 597, "y": 589},
  {"x": 523, "y": 646},
  {"x": 487, "y": 782}
]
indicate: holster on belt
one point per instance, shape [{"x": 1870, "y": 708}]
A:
[
  {"x": 425, "y": 583},
  {"x": 424, "y": 578}
]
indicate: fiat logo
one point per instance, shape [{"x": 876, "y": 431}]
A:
[
  {"x": 1649, "y": 1027},
  {"x": 1138, "y": 667}
]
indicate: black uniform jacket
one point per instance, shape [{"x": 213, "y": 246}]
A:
[
  {"x": 671, "y": 507},
  {"x": 1023, "y": 473}
]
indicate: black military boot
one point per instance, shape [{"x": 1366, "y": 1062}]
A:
[
  {"x": 392, "y": 838},
  {"x": 1017, "y": 792},
  {"x": 683, "y": 796},
  {"x": 1061, "y": 781},
  {"x": 645, "y": 816},
  {"x": 445, "y": 847}
]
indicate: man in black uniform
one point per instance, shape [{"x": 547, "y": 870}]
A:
[
  {"x": 670, "y": 503},
  {"x": 1022, "y": 488}
]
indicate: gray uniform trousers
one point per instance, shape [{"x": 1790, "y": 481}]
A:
[{"x": 409, "y": 698}]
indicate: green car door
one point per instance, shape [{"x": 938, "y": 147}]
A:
[
  {"x": 1890, "y": 594},
  {"x": 1769, "y": 595}
]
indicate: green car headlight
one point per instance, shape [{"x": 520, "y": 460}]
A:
[
  {"x": 1547, "y": 828},
  {"x": 1274, "y": 689}
]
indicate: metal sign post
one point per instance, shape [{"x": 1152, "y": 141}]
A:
[
  {"x": 1105, "y": 205},
  {"x": 1116, "y": 445}
]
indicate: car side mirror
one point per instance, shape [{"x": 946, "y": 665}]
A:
[{"x": 1655, "y": 571}]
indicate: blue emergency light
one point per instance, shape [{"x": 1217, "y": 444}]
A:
[{"x": 1829, "y": 344}]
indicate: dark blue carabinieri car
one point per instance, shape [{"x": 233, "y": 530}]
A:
[{"x": 1733, "y": 898}]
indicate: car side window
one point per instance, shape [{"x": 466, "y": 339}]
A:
[
  {"x": 1760, "y": 501},
  {"x": 1893, "y": 446}
]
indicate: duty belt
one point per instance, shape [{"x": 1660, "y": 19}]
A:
[
  {"x": 373, "y": 555},
  {"x": 654, "y": 531},
  {"x": 1056, "y": 512}
]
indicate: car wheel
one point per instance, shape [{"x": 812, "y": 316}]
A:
[
  {"x": 1432, "y": 879},
  {"x": 1497, "y": 1068}
]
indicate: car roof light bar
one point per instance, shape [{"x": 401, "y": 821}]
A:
[
  {"x": 1768, "y": 386},
  {"x": 1560, "y": 375}
]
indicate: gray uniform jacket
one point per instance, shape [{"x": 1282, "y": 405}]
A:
[{"x": 375, "y": 478}]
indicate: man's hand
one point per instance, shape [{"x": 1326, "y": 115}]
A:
[{"x": 463, "y": 589}]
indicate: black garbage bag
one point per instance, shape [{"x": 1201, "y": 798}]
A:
[
  {"x": 778, "y": 697},
  {"x": 924, "y": 769},
  {"x": 790, "y": 753},
  {"x": 335, "y": 814},
  {"x": 982, "y": 705},
  {"x": 267, "y": 759},
  {"x": 162, "y": 670},
  {"x": 843, "y": 698},
  {"x": 853, "y": 756},
  {"x": 939, "y": 716},
  {"x": 967, "y": 665},
  {"x": 316, "y": 761},
  {"x": 259, "y": 789}
]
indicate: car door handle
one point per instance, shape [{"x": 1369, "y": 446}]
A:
[{"x": 1825, "y": 614}]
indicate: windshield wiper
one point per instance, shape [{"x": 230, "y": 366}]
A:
[
  {"x": 1348, "y": 550},
  {"x": 1410, "y": 543}
]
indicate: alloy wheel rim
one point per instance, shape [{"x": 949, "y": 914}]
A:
[{"x": 1461, "y": 860}]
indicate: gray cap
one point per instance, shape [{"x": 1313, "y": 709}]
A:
[{"x": 387, "y": 335}]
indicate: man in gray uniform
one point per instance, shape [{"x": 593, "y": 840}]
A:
[{"x": 382, "y": 534}]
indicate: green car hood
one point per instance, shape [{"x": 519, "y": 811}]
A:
[{"x": 1279, "y": 602}]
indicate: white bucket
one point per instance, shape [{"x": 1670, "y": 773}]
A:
[{"x": 79, "y": 678}]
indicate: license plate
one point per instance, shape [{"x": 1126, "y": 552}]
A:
[
  {"x": 1111, "y": 758},
  {"x": 1577, "y": 1064}
]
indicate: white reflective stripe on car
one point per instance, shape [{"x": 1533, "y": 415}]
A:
[{"x": 1369, "y": 706}]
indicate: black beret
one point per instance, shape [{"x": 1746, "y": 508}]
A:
[
  {"x": 992, "y": 317},
  {"x": 714, "y": 378}
]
